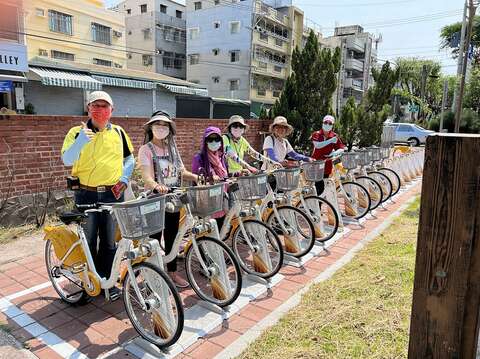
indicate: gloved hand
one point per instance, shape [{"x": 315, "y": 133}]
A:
[
  {"x": 336, "y": 153},
  {"x": 333, "y": 140}
]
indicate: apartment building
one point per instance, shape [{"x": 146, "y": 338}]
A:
[
  {"x": 359, "y": 56},
  {"x": 242, "y": 49},
  {"x": 13, "y": 55},
  {"x": 80, "y": 31},
  {"x": 155, "y": 36}
]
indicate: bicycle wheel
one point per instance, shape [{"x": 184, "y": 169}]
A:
[
  {"x": 222, "y": 282},
  {"x": 266, "y": 257},
  {"x": 68, "y": 286},
  {"x": 374, "y": 190},
  {"x": 354, "y": 201},
  {"x": 325, "y": 215},
  {"x": 384, "y": 182},
  {"x": 394, "y": 179},
  {"x": 301, "y": 234},
  {"x": 161, "y": 320}
]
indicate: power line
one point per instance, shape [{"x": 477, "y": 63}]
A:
[{"x": 355, "y": 4}]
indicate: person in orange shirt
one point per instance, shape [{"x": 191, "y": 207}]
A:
[{"x": 326, "y": 144}]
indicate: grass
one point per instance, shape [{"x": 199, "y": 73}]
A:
[
  {"x": 12, "y": 233},
  {"x": 363, "y": 311}
]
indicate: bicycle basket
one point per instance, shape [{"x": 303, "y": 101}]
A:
[
  {"x": 313, "y": 171},
  {"x": 251, "y": 188},
  {"x": 364, "y": 157},
  {"x": 206, "y": 200},
  {"x": 350, "y": 160},
  {"x": 385, "y": 152},
  {"x": 287, "y": 178},
  {"x": 140, "y": 218},
  {"x": 376, "y": 153}
]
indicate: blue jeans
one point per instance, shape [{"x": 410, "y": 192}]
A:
[{"x": 99, "y": 230}]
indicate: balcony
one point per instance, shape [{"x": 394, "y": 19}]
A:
[
  {"x": 354, "y": 64},
  {"x": 169, "y": 21},
  {"x": 271, "y": 13},
  {"x": 265, "y": 55},
  {"x": 355, "y": 84},
  {"x": 356, "y": 45}
]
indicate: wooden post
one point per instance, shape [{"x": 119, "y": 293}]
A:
[{"x": 446, "y": 295}]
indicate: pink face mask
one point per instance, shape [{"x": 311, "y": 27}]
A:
[{"x": 101, "y": 115}]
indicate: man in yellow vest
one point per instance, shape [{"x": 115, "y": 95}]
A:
[{"x": 102, "y": 158}]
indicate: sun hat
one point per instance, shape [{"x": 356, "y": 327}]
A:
[
  {"x": 163, "y": 118},
  {"x": 281, "y": 121},
  {"x": 99, "y": 95},
  {"x": 236, "y": 119},
  {"x": 329, "y": 118}
]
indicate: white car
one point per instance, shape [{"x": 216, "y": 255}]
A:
[{"x": 409, "y": 132}]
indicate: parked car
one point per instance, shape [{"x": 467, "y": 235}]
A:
[{"x": 409, "y": 132}]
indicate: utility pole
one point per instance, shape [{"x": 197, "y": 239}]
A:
[
  {"x": 458, "y": 106},
  {"x": 460, "y": 51},
  {"x": 423, "y": 87},
  {"x": 444, "y": 101}
]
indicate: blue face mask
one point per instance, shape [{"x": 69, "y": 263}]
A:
[{"x": 214, "y": 146}]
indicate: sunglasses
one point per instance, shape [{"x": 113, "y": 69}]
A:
[
  {"x": 213, "y": 139},
  {"x": 237, "y": 125},
  {"x": 327, "y": 122}
]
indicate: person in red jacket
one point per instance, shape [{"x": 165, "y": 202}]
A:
[{"x": 326, "y": 144}]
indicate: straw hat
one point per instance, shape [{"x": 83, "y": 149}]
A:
[
  {"x": 236, "y": 119},
  {"x": 163, "y": 118},
  {"x": 281, "y": 121}
]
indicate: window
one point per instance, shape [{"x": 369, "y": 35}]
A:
[
  {"x": 102, "y": 62},
  {"x": 178, "y": 14},
  {"x": 235, "y": 56},
  {"x": 178, "y": 61},
  {"x": 163, "y": 9},
  {"x": 198, "y": 5},
  {"x": 194, "y": 59},
  {"x": 216, "y": 79},
  {"x": 42, "y": 52},
  {"x": 234, "y": 85},
  {"x": 129, "y": 11},
  {"x": 276, "y": 93},
  {"x": 143, "y": 8},
  {"x": 215, "y": 52},
  {"x": 40, "y": 12},
  {"x": 101, "y": 34},
  {"x": 235, "y": 27},
  {"x": 216, "y": 24},
  {"x": 62, "y": 55},
  {"x": 262, "y": 65},
  {"x": 167, "y": 59},
  {"x": 60, "y": 22},
  {"x": 264, "y": 36},
  {"x": 193, "y": 33},
  {"x": 278, "y": 42},
  {"x": 404, "y": 128},
  {"x": 261, "y": 92},
  {"x": 147, "y": 60},
  {"x": 277, "y": 69}
]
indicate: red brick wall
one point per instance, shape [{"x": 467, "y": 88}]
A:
[{"x": 30, "y": 146}]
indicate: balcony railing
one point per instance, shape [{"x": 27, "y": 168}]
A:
[
  {"x": 354, "y": 64},
  {"x": 355, "y": 45},
  {"x": 356, "y": 84},
  {"x": 271, "y": 13}
]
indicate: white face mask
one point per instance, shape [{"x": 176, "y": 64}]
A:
[
  {"x": 237, "y": 132},
  {"x": 214, "y": 146},
  {"x": 160, "y": 132},
  {"x": 327, "y": 128}
]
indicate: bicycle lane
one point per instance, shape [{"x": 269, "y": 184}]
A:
[{"x": 35, "y": 316}]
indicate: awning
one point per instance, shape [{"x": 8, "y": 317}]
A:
[
  {"x": 185, "y": 90},
  {"x": 14, "y": 78},
  {"x": 122, "y": 82},
  {"x": 51, "y": 77}
]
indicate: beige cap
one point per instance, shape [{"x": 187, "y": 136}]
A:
[
  {"x": 99, "y": 95},
  {"x": 236, "y": 119},
  {"x": 281, "y": 121}
]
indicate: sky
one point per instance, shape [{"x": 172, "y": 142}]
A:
[{"x": 408, "y": 28}]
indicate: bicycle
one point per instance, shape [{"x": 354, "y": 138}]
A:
[
  {"x": 295, "y": 229},
  {"x": 319, "y": 210},
  {"x": 255, "y": 244},
  {"x": 353, "y": 199},
  {"x": 212, "y": 268},
  {"x": 151, "y": 300}
]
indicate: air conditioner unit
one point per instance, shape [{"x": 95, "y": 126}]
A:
[
  {"x": 117, "y": 33},
  {"x": 159, "y": 52}
]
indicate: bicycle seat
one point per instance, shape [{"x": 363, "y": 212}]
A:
[{"x": 72, "y": 217}]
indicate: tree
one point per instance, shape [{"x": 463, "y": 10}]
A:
[
  {"x": 347, "y": 125},
  {"x": 448, "y": 33},
  {"x": 308, "y": 91},
  {"x": 472, "y": 93},
  {"x": 381, "y": 92}
]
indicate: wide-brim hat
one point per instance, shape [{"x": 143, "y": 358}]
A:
[
  {"x": 281, "y": 121},
  {"x": 161, "y": 118},
  {"x": 236, "y": 119}
]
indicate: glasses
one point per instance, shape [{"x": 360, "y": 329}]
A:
[
  {"x": 327, "y": 122},
  {"x": 238, "y": 125},
  {"x": 212, "y": 139}
]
